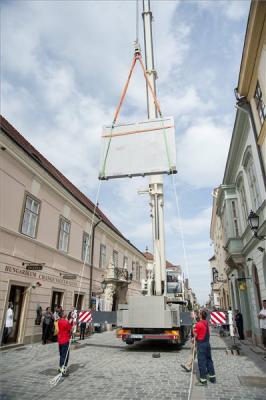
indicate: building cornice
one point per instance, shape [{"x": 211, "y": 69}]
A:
[
  {"x": 239, "y": 135},
  {"x": 255, "y": 33}
]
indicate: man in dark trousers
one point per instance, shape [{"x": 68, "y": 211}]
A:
[
  {"x": 205, "y": 363},
  {"x": 239, "y": 324},
  {"x": 64, "y": 336}
]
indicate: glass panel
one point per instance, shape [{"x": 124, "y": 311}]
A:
[
  {"x": 32, "y": 225},
  {"x": 35, "y": 206},
  {"x": 124, "y": 148},
  {"x": 28, "y": 203},
  {"x": 25, "y": 224}
]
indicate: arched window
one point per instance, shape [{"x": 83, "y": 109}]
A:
[{"x": 250, "y": 170}]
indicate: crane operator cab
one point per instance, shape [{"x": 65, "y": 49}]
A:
[{"x": 174, "y": 286}]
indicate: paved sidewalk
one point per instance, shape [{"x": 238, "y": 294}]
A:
[{"x": 105, "y": 368}]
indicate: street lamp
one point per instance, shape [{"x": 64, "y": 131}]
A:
[
  {"x": 254, "y": 223},
  {"x": 103, "y": 285}
]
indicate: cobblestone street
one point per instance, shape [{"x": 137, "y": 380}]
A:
[{"x": 104, "y": 368}]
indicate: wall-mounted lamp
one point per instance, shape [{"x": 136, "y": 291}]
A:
[
  {"x": 254, "y": 223},
  {"x": 249, "y": 259}
]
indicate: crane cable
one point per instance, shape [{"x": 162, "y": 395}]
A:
[{"x": 137, "y": 21}]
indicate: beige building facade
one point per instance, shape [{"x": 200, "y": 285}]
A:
[
  {"x": 244, "y": 183},
  {"x": 220, "y": 291},
  {"x": 46, "y": 239},
  {"x": 252, "y": 76}
]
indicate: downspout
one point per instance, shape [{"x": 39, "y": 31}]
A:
[{"x": 91, "y": 260}]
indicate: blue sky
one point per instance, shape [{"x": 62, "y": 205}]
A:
[{"x": 64, "y": 64}]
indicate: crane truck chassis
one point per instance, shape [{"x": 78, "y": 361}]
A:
[{"x": 151, "y": 318}]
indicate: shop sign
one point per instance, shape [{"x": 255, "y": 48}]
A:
[
  {"x": 41, "y": 275},
  {"x": 69, "y": 276},
  {"x": 34, "y": 267}
]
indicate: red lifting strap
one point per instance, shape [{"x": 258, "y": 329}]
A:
[{"x": 137, "y": 56}]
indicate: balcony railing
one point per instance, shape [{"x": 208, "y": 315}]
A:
[{"x": 118, "y": 274}]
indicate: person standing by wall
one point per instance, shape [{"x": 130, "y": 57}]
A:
[
  {"x": 205, "y": 363},
  {"x": 47, "y": 325},
  {"x": 262, "y": 320},
  {"x": 239, "y": 325},
  {"x": 82, "y": 329},
  {"x": 64, "y": 336},
  {"x": 8, "y": 323}
]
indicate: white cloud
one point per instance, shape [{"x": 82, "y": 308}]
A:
[
  {"x": 193, "y": 226},
  {"x": 202, "y": 152},
  {"x": 232, "y": 9},
  {"x": 236, "y": 10},
  {"x": 186, "y": 104}
]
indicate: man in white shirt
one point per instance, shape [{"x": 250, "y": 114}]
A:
[
  {"x": 8, "y": 324},
  {"x": 262, "y": 318}
]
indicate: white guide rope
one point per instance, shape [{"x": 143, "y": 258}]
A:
[
  {"x": 192, "y": 369},
  {"x": 180, "y": 226},
  {"x": 54, "y": 381}
]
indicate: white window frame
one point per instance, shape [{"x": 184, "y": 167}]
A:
[
  {"x": 64, "y": 234},
  {"x": 234, "y": 212},
  {"x": 30, "y": 217},
  {"x": 125, "y": 262},
  {"x": 137, "y": 271},
  {"x": 253, "y": 183},
  {"x": 86, "y": 246},
  {"x": 243, "y": 200},
  {"x": 102, "y": 259},
  {"x": 115, "y": 258},
  {"x": 133, "y": 270}
]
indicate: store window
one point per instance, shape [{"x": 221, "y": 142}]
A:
[
  {"x": 86, "y": 248},
  {"x": 102, "y": 262},
  {"x": 30, "y": 216},
  {"x": 64, "y": 234}
]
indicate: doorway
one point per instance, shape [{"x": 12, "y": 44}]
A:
[
  {"x": 16, "y": 297},
  {"x": 57, "y": 299},
  {"x": 78, "y": 304}
]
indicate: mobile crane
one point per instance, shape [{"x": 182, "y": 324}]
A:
[{"x": 156, "y": 314}]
